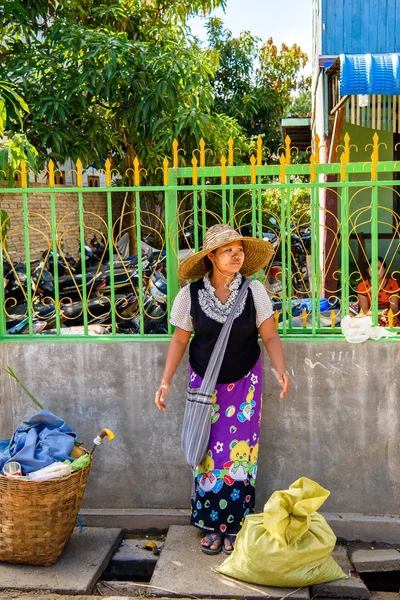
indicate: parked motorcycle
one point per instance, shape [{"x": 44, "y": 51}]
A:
[
  {"x": 97, "y": 288},
  {"x": 300, "y": 249}
]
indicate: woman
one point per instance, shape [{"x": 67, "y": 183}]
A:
[
  {"x": 225, "y": 480},
  {"x": 388, "y": 291}
]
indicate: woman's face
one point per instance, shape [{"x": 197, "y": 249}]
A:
[
  {"x": 381, "y": 270},
  {"x": 228, "y": 259}
]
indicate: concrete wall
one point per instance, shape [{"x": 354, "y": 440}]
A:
[{"x": 339, "y": 425}]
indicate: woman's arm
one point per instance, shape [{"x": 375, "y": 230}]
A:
[
  {"x": 273, "y": 346},
  {"x": 176, "y": 350}
]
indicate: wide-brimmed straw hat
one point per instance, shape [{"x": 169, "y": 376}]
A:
[{"x": 257, "y": 253}]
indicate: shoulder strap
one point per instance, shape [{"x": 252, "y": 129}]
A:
[{"x": 217, "y": 356}]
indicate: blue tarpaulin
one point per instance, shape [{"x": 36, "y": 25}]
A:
[
  {"x": 370, "y": 74},
  {"x": 38, "y": 442}
]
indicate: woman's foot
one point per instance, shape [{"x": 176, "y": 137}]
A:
[
  {"x": 229, "y": 543},
  {"x": 211, "y": 544}
]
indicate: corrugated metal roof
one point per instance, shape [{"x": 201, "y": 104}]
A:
[{"x": 370, "y": 74}]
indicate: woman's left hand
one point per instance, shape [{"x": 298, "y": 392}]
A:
[{"x": 284, "y": 382}]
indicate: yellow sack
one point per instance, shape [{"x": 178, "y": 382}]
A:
[{"x": 289, "y": 545}]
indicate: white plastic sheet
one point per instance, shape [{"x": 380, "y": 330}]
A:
[{"x": 360, "y": 328}]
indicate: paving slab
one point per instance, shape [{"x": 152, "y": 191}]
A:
[
  {"x": 43, "y": 596},
  {"x": 384, "y": 596},
  {"x": 365, "y": 528},
  {"x": 183, "y": 570},
  {"x": 76, "y": 571},
  {"x": 343, "y": 588},
  {"x": 342, "y": 559},
  {"x": 373, "y": 561}
]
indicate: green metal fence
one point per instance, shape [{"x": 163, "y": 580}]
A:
[{"x": 327, "y": 223}]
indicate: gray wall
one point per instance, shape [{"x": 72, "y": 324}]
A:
[{"x": 339, "y": 425}]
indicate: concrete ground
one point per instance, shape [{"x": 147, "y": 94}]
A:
[
  {"x": 184, "y": 571},
  {"x": 25, "y": 596},
  {"x": 77, "y": 570},
  {"x": 181, "y": 571}
]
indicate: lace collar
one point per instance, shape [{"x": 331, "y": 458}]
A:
[{"x": 213, "y": 307}]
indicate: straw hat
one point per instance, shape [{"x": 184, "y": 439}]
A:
[{"x": 257, "y": 253}]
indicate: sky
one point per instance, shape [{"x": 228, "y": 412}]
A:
[{"x": 288, "y": 21}]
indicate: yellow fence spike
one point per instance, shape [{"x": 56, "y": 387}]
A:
[
  {"x": 361, "y": 312},
  {"x": 259, "y": 150},
  {"x": 390, "y": 317},
  {"x": 194, "y": 171},
  {"x": 223, "y": 170},
  {"x": 202, "y": 153},
  {"x": 373, "y": 166},
  {"x": 253, "y": 178},
  {"x": 375, "y": 157},
  {"x": 304, "y": 316},
  {"x": 276, "y": 318},
  {"x": 230, "y": 152},
  {"x": 287, "y": 149},
  {"x": 282, "y": 172},
  {"x": 24, "y": 176},
  {"x": 333, "y": 319},
  {"x": 51, "y": 173},
  {"x": 165, "y": 170},
  {"x": 79, "y": 173},
  {"x": 108, "y": 172},
  {"x": 317, "y": 141},
  {"x": 375, "y": 138},
  {"x": 347, "y": 147},
  {"x": 343, "y": 167},
  {"x": 313, "y": 176},
  {"x": 136, "y": 172},
  {"x": 175, "y": 154}
]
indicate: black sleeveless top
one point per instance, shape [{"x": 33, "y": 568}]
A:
[{"x": 242, "y": 351}]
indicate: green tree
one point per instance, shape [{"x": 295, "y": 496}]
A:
[
  {"x": 254, "y": 80},
  {"x": 14, "y": 144},
  {"x": 120, "y": 78},
  {"x": 117, "y": 78},
  {"x": 300, "y": 103}
]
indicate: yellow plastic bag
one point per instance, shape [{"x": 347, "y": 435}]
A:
[{"x": 290, "y": 544}]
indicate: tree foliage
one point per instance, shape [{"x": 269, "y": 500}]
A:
[
  {"x": 300, "y": 104},
  {"x": 125, "y": 78},
  {"x": 254, "y": 81},
  {"x": 15, "y": 146},
  {"x": 299, "y": 204}
]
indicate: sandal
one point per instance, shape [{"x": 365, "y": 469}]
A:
[
  {"x": 212, "y": 539},
  {"x": 231, "y": 539}
]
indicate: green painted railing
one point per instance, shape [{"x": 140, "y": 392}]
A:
[{"x": 327, "y": 222}]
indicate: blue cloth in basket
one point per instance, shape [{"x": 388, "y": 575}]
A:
[{"x": 38, "y": 442}]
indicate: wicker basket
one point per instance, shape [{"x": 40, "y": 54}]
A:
[{"x": 37, "y": 518}]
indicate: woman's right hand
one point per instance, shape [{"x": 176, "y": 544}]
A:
[{"x": 161, "y": 394}]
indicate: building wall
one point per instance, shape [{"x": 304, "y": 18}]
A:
[
  {"x": 339, "y": 425},
  {"x": 67, "y": 217},
  {"x": 360, "y": 26}
]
